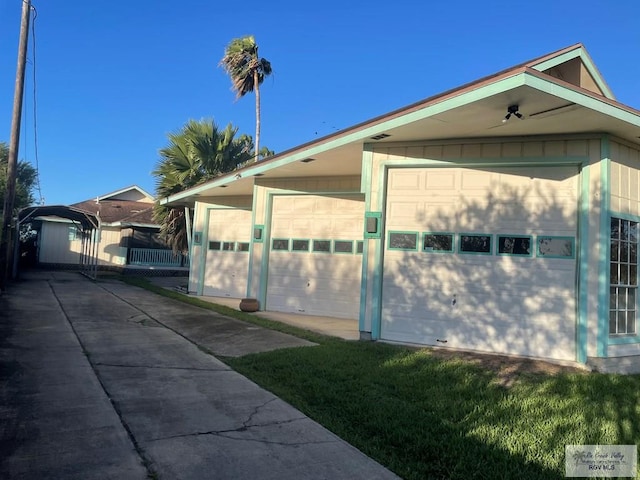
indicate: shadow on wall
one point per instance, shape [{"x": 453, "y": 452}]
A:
[{"x": 522, "y": 303}]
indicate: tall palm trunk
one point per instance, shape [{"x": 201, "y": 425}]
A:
[{"x": 257, "y": 91}]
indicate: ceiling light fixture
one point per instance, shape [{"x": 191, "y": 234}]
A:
[
  {"x": 512, "y": 110},
  {"x": 380, "y": 136}
]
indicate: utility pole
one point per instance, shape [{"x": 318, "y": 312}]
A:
[{"x": 14, "y": 142}]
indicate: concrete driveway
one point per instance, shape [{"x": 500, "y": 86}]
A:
[{"x": 104, "y": 381}]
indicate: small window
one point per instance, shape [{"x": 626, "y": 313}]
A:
[
  {"x": 243, "y": 246},
  {"x": 555, "y": 247},
  {"x": 359, "y": 246},
  {"x": 474, "y": 243},
  {"x": 343, "y": 246},
  {"x": 300, "y": 245},
  {"x": 215, "y": 245},
  {"x": 403, "y": 241},
  {"x": 280, "y": 244},
  {"x": 323, "y": 246},
  {"x": 438, "y": 242},
  {"x": 74, "y": 233},
  {"x": 228, "y": 246},
  {"x": 514, "y": 245}
]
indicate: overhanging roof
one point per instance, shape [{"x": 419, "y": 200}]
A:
[
  {"x": 86, "y": 219},
  {"x": 550, "y": 105}
]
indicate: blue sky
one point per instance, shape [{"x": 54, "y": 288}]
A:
[{"x": 114, "y": 77}]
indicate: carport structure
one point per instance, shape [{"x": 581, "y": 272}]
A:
[{"x": 87, "y": 224}]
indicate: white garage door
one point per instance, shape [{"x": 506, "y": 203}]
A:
[
  {"x": 482, "y": 259},
  {"x": 227, "y": 260},
  {"x": 315, "y": 257}
]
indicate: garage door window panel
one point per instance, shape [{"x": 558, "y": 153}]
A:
[
  {"x": 517, "y": 245},
  {"x": 623, "y": 278},
  {"x": 343, "y": 246},
  {"x": 280, "y": 244},
  {"x": 215, "y": 245},
  {"x": 228, "y": 246},
  {"x": 407, "y": 241},
  {"x": 298, "y": 245},
  {"x": 475, "y": 244},
  {"x": 243, "y": 246},
  {"x": 555, "y": 247},
  {"x": 437, "y": 242},
  {"x": 321, "y": 246}
]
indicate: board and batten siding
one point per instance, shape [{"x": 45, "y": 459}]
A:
[{"x": 625, "y": 178}]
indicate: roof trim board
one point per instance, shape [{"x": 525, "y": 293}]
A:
[
  {"x": 581, "y": 96},
  {"x": 124, "y": 190},
  {"x": 577, "y": 51}
]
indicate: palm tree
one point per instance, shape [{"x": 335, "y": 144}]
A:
[
  {"x": 196, "y": 153},
  {"x": 247, "y": 72}
]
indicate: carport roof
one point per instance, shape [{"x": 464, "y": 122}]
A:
[
  {"x": 86, "y": 219},
  {"x": 559, "y": 93}
]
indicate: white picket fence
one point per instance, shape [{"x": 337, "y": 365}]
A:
[{"x": 155, "y": 257}]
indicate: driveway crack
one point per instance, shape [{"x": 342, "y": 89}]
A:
[{"x": 161, "y": 367}]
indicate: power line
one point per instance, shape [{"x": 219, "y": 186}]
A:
[{"x": 35, "y": 116}]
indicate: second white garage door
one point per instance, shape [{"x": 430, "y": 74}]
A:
[
  {"x": 315, "y": 258},
  {"x": 482, "y": 259}
]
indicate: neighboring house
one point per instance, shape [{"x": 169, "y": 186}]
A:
[
  {"x": 501, "y": 216},
  {"x": 128, "y": 236}
]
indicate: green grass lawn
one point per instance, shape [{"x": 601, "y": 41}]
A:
[{"x": 427, "y": 417}]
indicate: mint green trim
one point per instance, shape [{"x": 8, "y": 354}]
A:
[
  {"x": 279, "y": 239},
  {"x": 556, "y": 237},
  {"x": 378, "y": 232},
  {"x": 486, "y": 162},
  {"x": 583, "y": 99},
  {"x": 514, "y": 235},
  {"x": 583, "y": 266},
  {"x": 254, "y": 204},
  {"x": 401, "y": 232},
  {"x": 604, "y": 242},
  {"x": 313, "y": 245},
  {"x": 293, "y": 250},
  {"x": 467, "y": 234},
  {"x": 203, "y": 251},
  {"x": 453, "y": 242},
  {"x": 350, "y": 242},
  {"x": 378, "y": 264},
  {"x": 626, "y": 340},
  {"x": 197, "y": 238},
  {"x": 365, "y": 187},
  {"x": 266, "y": 251}
]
